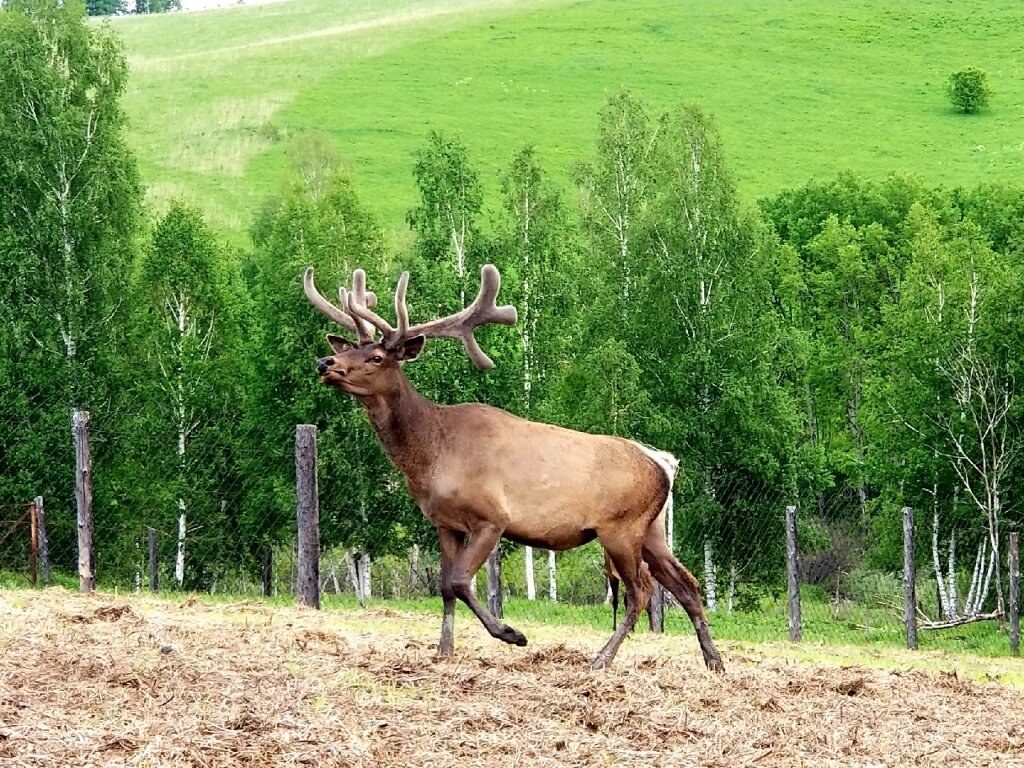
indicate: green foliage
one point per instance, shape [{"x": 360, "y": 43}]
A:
[
  {"x": 69, "y": 202},
  {"x": 968, "y": 89}
]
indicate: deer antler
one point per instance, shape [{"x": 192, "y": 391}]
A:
[
  {"x": 356, "y": 315},
  {"x": 343, "y": 317},
  {"x": 461, "y": 325}
]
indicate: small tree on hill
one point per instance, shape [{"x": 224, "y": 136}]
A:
[{"x": 968, "y": 89}]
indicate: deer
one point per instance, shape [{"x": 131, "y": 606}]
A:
[{"x": 480, "y": 473}]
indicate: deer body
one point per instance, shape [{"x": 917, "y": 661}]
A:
[{"x": 479, "y": 473}]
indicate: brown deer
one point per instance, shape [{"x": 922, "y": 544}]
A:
[{"x": 479, "y": 473}]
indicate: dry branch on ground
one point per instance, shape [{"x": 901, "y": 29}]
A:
[{"x": 104, "y": 681}]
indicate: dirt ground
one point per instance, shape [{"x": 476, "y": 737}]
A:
[{"x": 111, "y": 681}]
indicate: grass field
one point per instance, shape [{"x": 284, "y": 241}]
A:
[
  {"x": 801, "y": 89},
  {"x": 104, "y": 681}
]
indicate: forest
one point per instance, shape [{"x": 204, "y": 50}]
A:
[{"x": 850, "y": 346}]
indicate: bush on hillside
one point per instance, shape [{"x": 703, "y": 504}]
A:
[{"x": 968, "y": 89}]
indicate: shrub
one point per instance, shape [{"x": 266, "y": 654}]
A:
[{"x": 968, "y": 89}]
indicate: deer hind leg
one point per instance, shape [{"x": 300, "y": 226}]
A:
[
  {"x": 625, "y": 554},
  {"x": 456, "y": 582},
  {"x": 680, "y": 582}
]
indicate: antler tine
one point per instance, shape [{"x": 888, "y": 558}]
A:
[
  {"x": 326, "y": 307},
  {"x": 357, "y": 303},
  {"x": 367, "y": 316},
  {"x": 401, "y": 310},
  {"x": 461, "y": 325}
]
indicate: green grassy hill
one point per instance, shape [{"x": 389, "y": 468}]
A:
[{"x": 801, "y": 89}]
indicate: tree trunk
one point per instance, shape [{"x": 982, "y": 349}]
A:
[
  {"x": 710, "y": 577},
  {"x": 940, "y": 582},
  {"x": 531, "y": 583},
  {"x": 552, "y": 577}
]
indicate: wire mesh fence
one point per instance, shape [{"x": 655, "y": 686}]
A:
[{"x": 218, "y": 516}]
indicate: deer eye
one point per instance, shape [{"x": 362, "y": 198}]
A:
[{"x": 377, "y": 359}]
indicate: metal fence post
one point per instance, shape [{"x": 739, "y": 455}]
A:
[
  {"x": 83, "y": 499},
  {"x": 793, "y": 575},
  {"x": 909, "y": 578},
  {"x": 308, "y": 515}
]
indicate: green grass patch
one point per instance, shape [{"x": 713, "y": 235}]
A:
[{"x": 801, "y": 89}]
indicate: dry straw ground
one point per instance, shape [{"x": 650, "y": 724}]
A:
[{"x": 108, "y": 681}]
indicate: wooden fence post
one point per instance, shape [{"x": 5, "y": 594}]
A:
[
  {"x": 33, "y": 545},
  {"x": 83, "y": 499},
  {"x": 268, "y": 570},
  {"x": 793, "y": 575},
  {"x": 909, "y": 578},
  {"x": 42, "y": 546},
  {"x": 154, "y": 567},
  {"x": 1014, "y": 595},
  {"x": 308, "y": 515},
  {"x": 494, "y": 601},
  {"x": 656, "y": 608}
]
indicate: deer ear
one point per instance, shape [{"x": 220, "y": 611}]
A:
[
  {"x": 339, "y": 344},
  {"x": 409, "y": 349}
]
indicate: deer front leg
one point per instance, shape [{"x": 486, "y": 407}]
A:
[
  {"x": 450, "y": 545},
  {"x": 481, "y": 542}
]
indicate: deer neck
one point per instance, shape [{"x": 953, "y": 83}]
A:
[{"x": 405, "y": 423}]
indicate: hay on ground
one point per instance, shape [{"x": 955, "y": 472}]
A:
[{"x": 106, "y": 681}]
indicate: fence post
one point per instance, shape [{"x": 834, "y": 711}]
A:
[
  {"x": 33, "y": 545},
  {"x": 83, "y": 499},
  {"x": 43, "y": 547},
  {"x": 494, "y": 581},
  {"x": 268, "y": 570},
  {"x": 793, "y": 575},
  {"x": 308, "y": 514},
  {"x": 656, "y": 608},
  {"x": 1014, "y": 595},
  {"x": 154, "y": 570},
  {"x": 909, "y": 578}
]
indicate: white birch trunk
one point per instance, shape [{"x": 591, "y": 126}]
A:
[
  {"x": 531, "y": 582},
  {"x": 972, "y": 590},
  {"x": 951, "y": 576},
  {"x": 710, "y": 577},
  {"x": 179, "y": 562},
  {"x": 365, "y": 585},
  {"x": 947, "y": 609},
  {"x": 552, "y": 577}
]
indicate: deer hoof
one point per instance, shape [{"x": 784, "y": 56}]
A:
[
  {"x": 512, "y": 636},
  {"x": 715, "y": 664}
]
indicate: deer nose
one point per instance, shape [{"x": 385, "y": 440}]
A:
[{"x": 322, "y": 365}]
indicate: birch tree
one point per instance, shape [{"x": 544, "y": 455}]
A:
[
  {"x": 70, "y": 187},
  {"x": 187, "y": 337},
  {"x": 950, "y": 335},
  {"x": 710, "y": 342},
  {"x": 69, "y": 203}
]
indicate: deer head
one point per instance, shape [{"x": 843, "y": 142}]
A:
[{"x": 370, "y": 365}]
